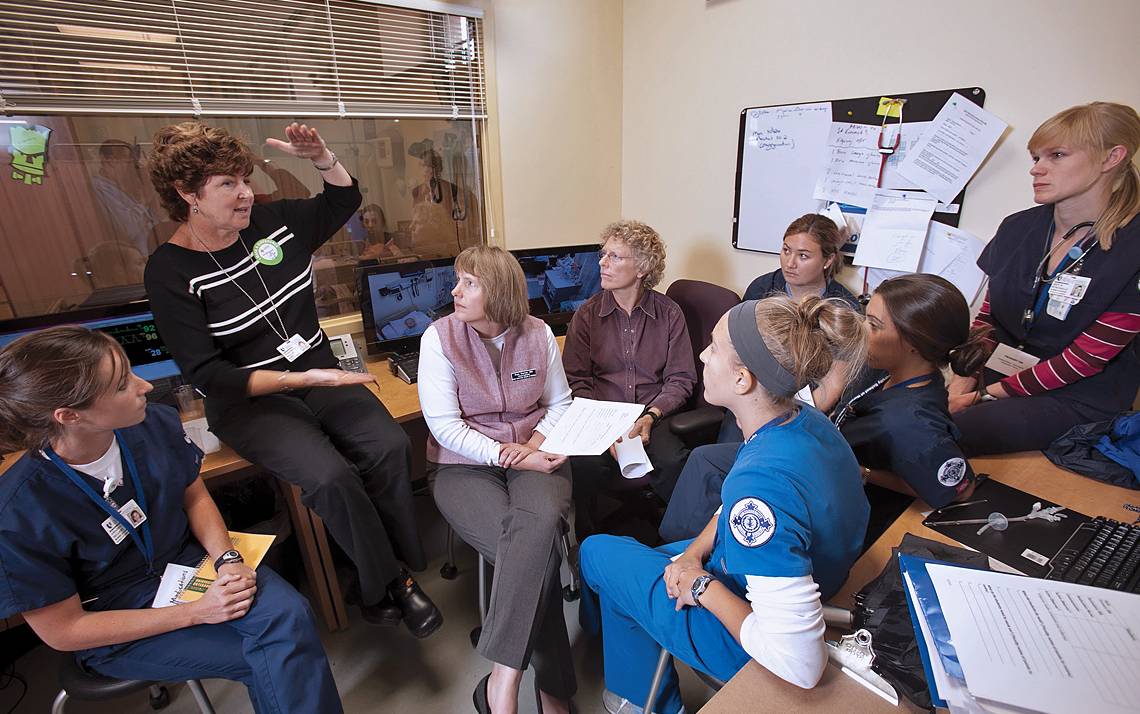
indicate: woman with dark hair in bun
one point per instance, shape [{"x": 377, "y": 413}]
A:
[
  {"x": 792, "y": 519},
  {"x": 900, "y": 428}
]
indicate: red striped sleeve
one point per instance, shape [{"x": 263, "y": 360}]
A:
[
  {"x": 984, "y": 321},
  {"x": 1087, "y": 355}
]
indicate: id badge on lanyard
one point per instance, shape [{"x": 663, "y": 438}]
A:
[{"x": 131, "y": 517}]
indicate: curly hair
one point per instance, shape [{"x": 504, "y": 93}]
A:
[
  {"x": 186, "y": 155},
  {"x": 646, "y": 244}
]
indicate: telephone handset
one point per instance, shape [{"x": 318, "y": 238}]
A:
[{"x": 347, "y": 354}]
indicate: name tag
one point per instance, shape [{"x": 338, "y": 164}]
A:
[
  {"x": 1008, "y": 360},
  {"x": 524, "y": 374},
  {"x": 134, "y": 515},
  {"x": 293, "y": 347}
]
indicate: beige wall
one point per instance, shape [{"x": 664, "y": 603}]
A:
[
  {"x": 556, "y": 99},
  {"x": 689, "y": 67}
]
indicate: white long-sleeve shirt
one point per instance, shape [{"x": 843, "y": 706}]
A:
[
  {"x": 439, "y": 397},
  {"x": 784, "y": 631}
]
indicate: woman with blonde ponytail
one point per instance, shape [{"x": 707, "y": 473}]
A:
[
  {"x": 791, "y": 522},
  {"x": 1064, "y": 295}
]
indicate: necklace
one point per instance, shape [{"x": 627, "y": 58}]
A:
[{"x": 284, "y": 333}]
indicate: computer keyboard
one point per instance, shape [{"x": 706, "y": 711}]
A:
[
  {"x": 406, "y": 367},
  {"x": 1103, "y": 553}
]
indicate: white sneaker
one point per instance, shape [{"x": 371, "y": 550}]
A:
[{"x": 615, "y": 704}]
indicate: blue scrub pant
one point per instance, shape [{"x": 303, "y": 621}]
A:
[
  {"x": 273, "y": 650},
  {"x": 623, "y": 582}
]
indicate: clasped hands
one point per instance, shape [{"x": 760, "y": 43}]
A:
[
  {"x": 679, "y": 576},
  {"x": 528, "y": 457}
]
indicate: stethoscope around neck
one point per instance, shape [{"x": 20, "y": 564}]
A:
[{"x": 1076, "y": 255}]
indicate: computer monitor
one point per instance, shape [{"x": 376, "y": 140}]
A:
[
  {"x": 558, "y": 280},
  {"x": 132, "y": 325},
  {"x": 398, "y": 301}
]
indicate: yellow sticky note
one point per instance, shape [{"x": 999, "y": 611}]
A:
[{"x": 890, "y": 107}]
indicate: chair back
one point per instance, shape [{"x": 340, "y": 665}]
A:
[{"x": 703, "y": 304}]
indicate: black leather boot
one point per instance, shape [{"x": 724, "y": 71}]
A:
[{"x": 421, "y": 616}]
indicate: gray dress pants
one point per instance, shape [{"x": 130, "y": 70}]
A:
[{"x": 514, "y": 519}]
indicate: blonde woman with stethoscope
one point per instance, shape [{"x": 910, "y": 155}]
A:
[{"x": 1064, "y": 294}]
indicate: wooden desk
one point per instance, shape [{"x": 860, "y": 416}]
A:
[{"x": 755, "y": 689}]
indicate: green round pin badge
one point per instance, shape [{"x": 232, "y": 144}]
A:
[{"x": 268, "y": 251}]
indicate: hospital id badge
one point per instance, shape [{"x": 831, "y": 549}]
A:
[
  {"x": 1058, "y": 308},
  {"x": 293, "y": 347},
  {"x": 1008, "y": 360},
  {"x": 1069, "y": 289}
]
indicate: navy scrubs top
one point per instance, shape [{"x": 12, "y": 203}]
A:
[
  {"x": 908, "y": 430},
  {"x": 52, "y": 543},
  {"x": 1011, "y": 259},
  {"x": 773, "y": 283}
]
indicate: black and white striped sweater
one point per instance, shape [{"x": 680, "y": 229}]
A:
[{"x": 213, "y": 330}]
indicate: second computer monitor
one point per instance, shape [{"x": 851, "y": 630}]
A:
[{"x": 558, "y": 280}]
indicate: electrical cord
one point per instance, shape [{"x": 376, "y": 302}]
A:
[{"x": 8, "y": 676}]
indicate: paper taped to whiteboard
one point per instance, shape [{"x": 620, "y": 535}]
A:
[{"x": 784, "y": 152}]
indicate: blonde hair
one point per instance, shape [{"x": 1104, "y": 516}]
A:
[
  {"x": 646, "y": 244},
  {"x": 1097, "y": 128},
  {"x": 502, "y": 280},
  {"x": 808, "y": 336}
]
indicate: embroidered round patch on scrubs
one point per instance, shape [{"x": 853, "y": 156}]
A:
[
  {"x": 752, "y": 522},
  {"x": 268, "y": 251},
  {"x": 952, "y": 471}
]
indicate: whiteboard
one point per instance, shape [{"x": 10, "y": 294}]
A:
[{"x": 784, "y": 153}]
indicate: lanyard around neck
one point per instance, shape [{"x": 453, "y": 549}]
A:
[
  {"x": 1069, "y": 261},
  {"x": 778, "y": 420},
  {"x": 144, "y": 543}
]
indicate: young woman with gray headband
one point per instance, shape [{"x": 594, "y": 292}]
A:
[{"x": 791, "y": 522}]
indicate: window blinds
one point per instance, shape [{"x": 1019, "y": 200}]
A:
[{"x": 240, "y": 57}]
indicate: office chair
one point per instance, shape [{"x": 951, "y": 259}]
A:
[
  {"x": 78, "y": 683},
  {"x": 833, "y": 616},
  {"x": 570, "y": 592},
  {"x": 703, "y": 304}
]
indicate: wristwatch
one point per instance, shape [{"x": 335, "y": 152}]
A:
[
  {"x": 331, "y": 163},
  {"x": 652, "y": 415},
  {"x": 699, "y": 586},
  {"x": 230, "y": 556}
]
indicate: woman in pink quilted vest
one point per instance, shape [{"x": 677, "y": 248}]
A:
[{"x": 491, "y": 386}]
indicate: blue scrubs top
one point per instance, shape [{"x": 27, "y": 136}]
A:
[
  {"x": 908, "y": 430},
  {"x": 52, "y": 543},
  {"x": 793, "y": 505}
]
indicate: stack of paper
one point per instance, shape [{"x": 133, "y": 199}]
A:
[{"x": 994, "y": 642}]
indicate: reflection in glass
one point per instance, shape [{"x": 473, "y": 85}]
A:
[{"x": 82, "y": 237}]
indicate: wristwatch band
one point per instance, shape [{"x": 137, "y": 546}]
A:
[
  {"x": 332, "y": 163},
  {"x": 652, "y": 415},
  {"x": 230, "y": 556},
  {"x": 699, "y": 586}
]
